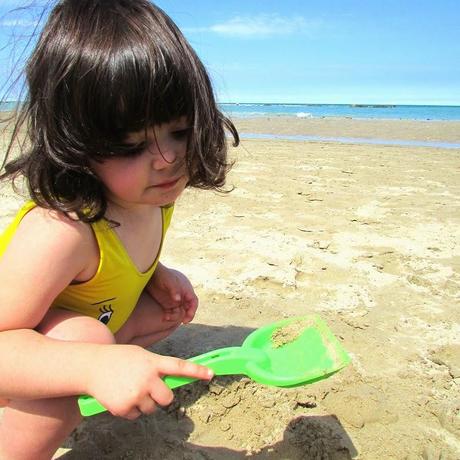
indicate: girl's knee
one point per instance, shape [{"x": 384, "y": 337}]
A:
[
  {"x": 66, "y": 325},
  {"x": 147, "y": 323},
  {"x": 48, "y": 422}
]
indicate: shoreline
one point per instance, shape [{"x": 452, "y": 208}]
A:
[
  {"x": 264, "y": 116},
  {"x": 349, "y": 140},
  {"x": 402, "y": 130}
]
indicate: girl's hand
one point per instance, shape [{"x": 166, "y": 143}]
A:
[
  {"x": 126, "y": 379},
  {"x": 174, "y": 292}
]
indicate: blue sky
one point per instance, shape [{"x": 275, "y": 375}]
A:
[{"x": 322, "y": 51}]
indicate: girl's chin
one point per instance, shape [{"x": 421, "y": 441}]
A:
[{"x": 167, "y": 195}]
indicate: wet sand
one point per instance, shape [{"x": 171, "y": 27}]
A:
[
  {"x": 365, "y": 236},
  {"x": 408, "y": 130}
]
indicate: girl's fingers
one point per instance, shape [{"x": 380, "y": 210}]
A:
[
  {"x": 176, "y": 297},
  {"x": 167, "y": 365},
  {"x": 133, "y": 414},
  {"x": 174, "y": 314},
  {"x": 163, "y": 395},
  {"x": 147, "y": 405},
  {"x": 191, "y": 307}
]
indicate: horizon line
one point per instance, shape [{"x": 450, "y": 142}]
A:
[
  {"x": 370, "y": 104},
  {"x": 357, "y": 104}
]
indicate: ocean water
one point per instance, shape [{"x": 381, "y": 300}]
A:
[
  {"x": 8, "y": 106},
  {"x": 382, "y": 112},
  {"x": 360, "y": 111}
]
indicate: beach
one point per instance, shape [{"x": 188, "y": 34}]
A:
[
  {"x": 367, "y": 237},
  {"x": 389, "y": 129}
]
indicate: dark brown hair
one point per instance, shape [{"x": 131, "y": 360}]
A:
[{"x": 102, "y": 69}]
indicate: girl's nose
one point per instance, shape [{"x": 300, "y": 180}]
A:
[{"x": 163, "y": 156}]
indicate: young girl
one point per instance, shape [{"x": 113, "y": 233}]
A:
[{"x": 120, "y": 118}]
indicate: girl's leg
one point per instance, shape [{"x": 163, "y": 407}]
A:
[
  {"x": 147, "y": 325},
  {"x": 34, "y": 430}
]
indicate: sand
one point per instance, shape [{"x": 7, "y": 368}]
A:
[
  {"x": 367, "y": 237},
  {"x": 290, "y": 332}
]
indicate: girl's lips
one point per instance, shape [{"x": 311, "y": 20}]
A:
[{"x": 168, "y": 184}]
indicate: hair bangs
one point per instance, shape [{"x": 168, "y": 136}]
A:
[
  {"x": 148, "y": 93},
  {"x": 127, "y": 85}
]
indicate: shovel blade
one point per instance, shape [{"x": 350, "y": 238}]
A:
[{"x": 300, "y": 350}]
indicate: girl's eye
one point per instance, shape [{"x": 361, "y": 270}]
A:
[
  {"x": 130, "y": 150},
  {"x": 181, "y": 134},
  {"x": 136, "y": 151}
]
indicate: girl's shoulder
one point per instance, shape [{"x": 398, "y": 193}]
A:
[
  {"x": 40, "y": 232},
  {"x": 41, "y": 253},
  {"x": 54, "y": 224}
]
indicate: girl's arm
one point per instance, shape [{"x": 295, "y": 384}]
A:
[
  {"x": 47, "y": 252},
  {"x": 126, "y": 379},
  {"x": 34, "y": 366}
]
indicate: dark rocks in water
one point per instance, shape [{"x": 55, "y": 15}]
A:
[{"x": 373, "y": 106}]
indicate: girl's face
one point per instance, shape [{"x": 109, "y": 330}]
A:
[{"x": 156, "y": 174}]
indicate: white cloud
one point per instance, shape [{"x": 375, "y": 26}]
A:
[
  {"x": 263, "y": 25},
  {"x": 22, "y": 3},
  {"x": 18, "y": 23}
]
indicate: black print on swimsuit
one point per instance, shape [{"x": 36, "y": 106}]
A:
[{"x": 105, "y": 309}]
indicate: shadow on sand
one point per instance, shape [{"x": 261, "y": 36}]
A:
[{"x": 165, "y": 434}]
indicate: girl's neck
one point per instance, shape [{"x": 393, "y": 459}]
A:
[{"x": 121, "y": 212}]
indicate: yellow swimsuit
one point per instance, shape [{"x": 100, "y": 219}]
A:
[{"x": 111, "y": 295}]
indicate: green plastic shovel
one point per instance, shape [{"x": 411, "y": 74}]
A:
[{"x": 287, "y": 353}]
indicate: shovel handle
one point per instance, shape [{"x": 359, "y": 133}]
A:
[{"x": 224, "y": 361}]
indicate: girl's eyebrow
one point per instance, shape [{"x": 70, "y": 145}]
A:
[
  {"x": 131, "y": 140},
  {"x": 137, "y": 137},
  {"x": 175, "y": 124}
]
